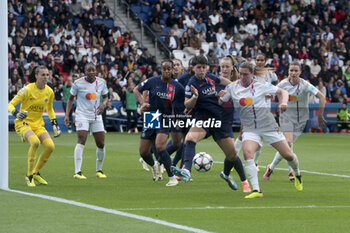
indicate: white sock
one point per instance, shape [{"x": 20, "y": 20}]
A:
[
  {"x": 276, "y": 160},
  {"x": 295, "y": 165},
  {"x": 252, "y": 174},
  {"x": 290, "y": 169},
  {"x": 257, "y": 155},
  {"x": 100, "y": 156},
  {"x": 78, "y": 157},
  {"x": 238, "y": 146}
]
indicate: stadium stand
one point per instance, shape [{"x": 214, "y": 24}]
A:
[{"x": 316, "y": 33}]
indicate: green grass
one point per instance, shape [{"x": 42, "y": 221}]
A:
[{"x": 130, "y": 189}]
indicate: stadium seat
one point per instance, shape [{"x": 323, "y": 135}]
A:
[
  {"x": 166, "y": 30},
  {"x": 178, "y": 54},
  {"x": 136, "y": 8},
  {"x": 205, "y": 47}
]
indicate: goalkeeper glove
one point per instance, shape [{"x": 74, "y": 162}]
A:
[
  {"x": 20, "y": 115},
  {"x": 56, "y": 128}
]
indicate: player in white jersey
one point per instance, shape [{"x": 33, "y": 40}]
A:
[
  {"x": 269, "y": 76},
  {"x": 88, "y": 91},
  {"x": 293, "y": 120},
  {"x": 248, "y": 96}
]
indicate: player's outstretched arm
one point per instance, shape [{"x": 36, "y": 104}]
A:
[
  {"x": 321, "y": 105},
  {"x": 282, "y": 99}
]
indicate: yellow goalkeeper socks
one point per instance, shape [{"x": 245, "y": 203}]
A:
[
  {"x": 49, "y": 147},
  {"x": 33, "y": 149}
]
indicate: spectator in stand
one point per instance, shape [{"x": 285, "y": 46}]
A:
[
  {"x": 171, "y": 20},
  {"x": 195, "y": 45},
  {"x": 98, "y": 40},
  {"x": 252, "y": 28},
  {"x": 302, "y": 53},
  {"x": 200, "y": 25},
  {"x": 171, "y": 41},
  {"x": 101, "y": 56},
  {"x": 315, "y": 68},
  {"x": 215, "y": 47},
  {"x": 156, "y": 27}
]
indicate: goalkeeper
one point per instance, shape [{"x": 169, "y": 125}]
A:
[{"x": 29, "y": 124}]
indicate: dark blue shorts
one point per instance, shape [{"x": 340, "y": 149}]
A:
[
  {"x": 151, "y": 134},
  {"x": 219, "y": 133}
]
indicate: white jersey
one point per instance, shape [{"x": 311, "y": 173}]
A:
[
  {"x": 88, "y": 97},
  {"x": 269, "y": 77},
  {"x": 298, "y": 101},
  {"x": 251, "y": 106}
]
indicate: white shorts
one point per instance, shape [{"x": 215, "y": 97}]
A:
[
  {"x": 269, "y": 137},
  {"x": 92, "y": 125},
  {"x": 296, "y": 128}
]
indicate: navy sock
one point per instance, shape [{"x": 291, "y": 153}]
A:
[
  {"x": 149, "y": 159},
  {"x": 178, "y": 155},
  {"x": 190, "y": 151},
  {"x": 170, "y": 147},
  {"x": 239, "y": 169},
  {"x": 166, "y": 161},
  {"x": 183, "y": 155},
  {"x": 154, "y": 151}
]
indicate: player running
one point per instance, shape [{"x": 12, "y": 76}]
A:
[
  {"x": 35, "y": 98},
  {"x": 269, "y": 76},
  {"x": 88, "y": 91},
  {"x": 163, "y": 92},
  {"x": 201, "y": 98},
  {"x": 293, "y": 120},
  {"x": 258, "y": 122}
]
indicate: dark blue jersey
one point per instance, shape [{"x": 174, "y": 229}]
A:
[
  {"x": 184, "y": 78},
  {"x": 162, "y": 96},
  {"x": 207, "y": 105},
  {"x": 227, "y": 113},
  {"x": 179, "y": 106}
]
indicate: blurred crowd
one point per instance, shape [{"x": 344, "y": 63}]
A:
[
  {"x": 314, "y": 32},
  {"x": 65, "y": 35}
]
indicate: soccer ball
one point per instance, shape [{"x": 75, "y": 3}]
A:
[{"x": 202, "y": 162}]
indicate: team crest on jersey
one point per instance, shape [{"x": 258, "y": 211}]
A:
[{"x": 45, "y": 100}]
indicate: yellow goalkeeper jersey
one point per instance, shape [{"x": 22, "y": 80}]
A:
[{"x": 35, "y": 101}]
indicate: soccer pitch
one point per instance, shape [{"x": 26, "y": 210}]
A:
[{"x": 206, "y": 203}]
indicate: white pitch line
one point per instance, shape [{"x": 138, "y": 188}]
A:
[
  {"x": 239, "y": 207},
  {"x": 305, "y": 171},
  {"x": 111, "y": 211}
]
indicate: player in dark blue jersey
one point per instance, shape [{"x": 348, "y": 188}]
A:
[
  {"x": 183, "y": 80},
  {"x": 163, "y": 92},
  {"x": 202, "y": 99},
  {"x": 229, "y": 71}
]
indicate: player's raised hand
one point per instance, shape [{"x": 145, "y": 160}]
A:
[
  {"x": 222, "y": 93},
  {"x": 20, "y": 115},
  {"x": 194, "y": 90}
]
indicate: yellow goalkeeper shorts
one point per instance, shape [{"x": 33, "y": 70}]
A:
[{"x": 22, "y": 128}]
